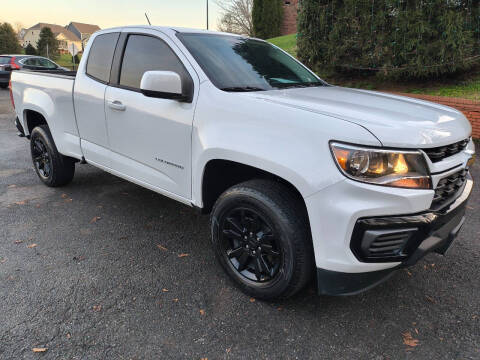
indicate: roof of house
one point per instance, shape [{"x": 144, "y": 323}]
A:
[
  {"x": 57, "y": 29},
  {"x": 85, "y": 28}
]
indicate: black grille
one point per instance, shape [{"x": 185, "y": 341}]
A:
[
  {"x": 439, "y": 153},
  {"x": 448, "y": 189},
  {"x": 388, "y": 245}
]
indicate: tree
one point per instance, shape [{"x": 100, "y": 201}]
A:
[
  {"x": 8, "y": 40},
  {"x": 401, "y": 38},
  {"x": 30, "y": 50},
  {"x": 18, "y": 26},
  {"x": 236, "y": 16},
  {"x": 47, "y": 44},
  {"x": 267, "y": 16}
]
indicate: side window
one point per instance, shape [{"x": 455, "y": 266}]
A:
[
  {"x": 100, "y": 58},
  {"x": 46, "y": 64},
  {"x": 28, "y": 62},
  {"x": 146, "y": 53}
]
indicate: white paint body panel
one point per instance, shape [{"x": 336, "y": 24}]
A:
[{"x": 284, "y": 132}]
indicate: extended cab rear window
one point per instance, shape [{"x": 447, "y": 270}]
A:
[{"x": 100, "y": 57}]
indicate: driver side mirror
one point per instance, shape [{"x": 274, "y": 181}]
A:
[{"x": 164, "y": 85}]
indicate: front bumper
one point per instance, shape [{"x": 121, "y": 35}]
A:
[{"x": 422, "y": 233}]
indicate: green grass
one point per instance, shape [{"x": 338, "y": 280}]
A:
[
  {"x": 466, "y": 86},
  {"x": 467, "y": 89},
  {"x": 65, "y": 60},
  {"x": 287, "y": 43}
]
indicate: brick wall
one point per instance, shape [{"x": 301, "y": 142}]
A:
[
  {"x": 471, "y": 108},
  {"x": 289, "y": 25}
]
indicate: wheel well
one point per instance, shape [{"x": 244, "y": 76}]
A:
[
  {"x": 33, "y": 119},
  {"x": 219, "y": 175}
]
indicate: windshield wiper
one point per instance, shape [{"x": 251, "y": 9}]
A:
[
  {"x": 298, "y": 85},
  {"x": 242, "y": 88}
]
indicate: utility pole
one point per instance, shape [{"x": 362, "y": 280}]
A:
[{"x": 207, "y": 14}]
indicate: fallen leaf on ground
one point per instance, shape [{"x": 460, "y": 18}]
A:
[
  {"x": 68, "y": 200},
  {"x": 165, "y": 290},
  {"x": 20, "y": 202},
  {"x": 280, "y": 308},
  {"x": 69, "y": 336},
  {"x": 470, "y": 207},
  {"x": 37, "y": 350},
  {"x": 31, "y": 246},
  {"x": 202, "y": 312},
  {"x": 64, "y": 196},
  {"x": 409, "y": 340},
  {"x": 175, "y": 300},
  {"x": 416, "y": 330},
  {"x": 3, "y": 260},
  {"x": 12, "y": 186},
  {"x": 430, "y": 299},
  {"x": 183, "y": 255},
  {"x": 97, "y": 308},
  {"x": 18, "y": 241},
  {"x": 252, "y": 300},
  {"x": 95, "y": 219},
  {"x": 163, "y": 248}
]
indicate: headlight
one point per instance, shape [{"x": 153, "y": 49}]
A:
[{"x": 397, "y": 168}]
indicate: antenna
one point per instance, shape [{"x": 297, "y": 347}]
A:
[{"x": 149, "y": 23}]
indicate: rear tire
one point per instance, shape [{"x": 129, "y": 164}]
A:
[
  {"x": 53, "y": 168},
  {"x": 3, "y": 86},
  {"x": 261, "y": 237}
]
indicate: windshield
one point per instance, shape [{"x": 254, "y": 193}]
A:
[{"x": 236, "y": 63}]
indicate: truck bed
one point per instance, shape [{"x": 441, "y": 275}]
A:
[
  {"x": 50, "y": 94},
  {"x": 54, "y": 73}
]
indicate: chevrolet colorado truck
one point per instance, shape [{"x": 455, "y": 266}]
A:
[{"x": 302, "y": 179}]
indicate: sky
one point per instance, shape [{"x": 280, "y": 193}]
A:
[{"x": 110, "y": 13}]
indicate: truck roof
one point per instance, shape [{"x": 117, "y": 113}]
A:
[{"x": 170, "y": 29}]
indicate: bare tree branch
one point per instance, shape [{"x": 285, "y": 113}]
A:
[{"x": 236, "y": 16}]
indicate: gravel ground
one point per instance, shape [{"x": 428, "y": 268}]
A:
[{"x": 92, "y": 271}]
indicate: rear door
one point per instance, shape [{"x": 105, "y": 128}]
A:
[
  {"x": 150, "y": 138},
  {"x": 89, "y": 99}
]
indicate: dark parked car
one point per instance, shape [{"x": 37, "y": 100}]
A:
[{"x": 28, "y": 62}]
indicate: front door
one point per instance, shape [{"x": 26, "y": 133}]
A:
[{"x": 150, "y": 138}]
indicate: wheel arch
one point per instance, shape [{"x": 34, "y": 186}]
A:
[
  {"x": 219, "y": 174},
  {"x": 33, "y": 118}
]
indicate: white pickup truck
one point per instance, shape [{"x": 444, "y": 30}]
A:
[{"x": 301, "y": 178}]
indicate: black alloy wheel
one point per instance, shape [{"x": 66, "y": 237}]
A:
[
  {"x": 53, "y": 168},
  {"x": 250, "y": 245},
  {"x": 41, "y": 158},
  {"x": 261, "y": 237}
]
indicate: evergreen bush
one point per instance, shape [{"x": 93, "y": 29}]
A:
[
  {"x": 30, "y": 50},
  {"x": 267, "y": 17},
  {"x": 392, "y": 38}
]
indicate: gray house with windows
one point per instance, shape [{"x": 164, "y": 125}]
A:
[{"x": 83, "y": 31}]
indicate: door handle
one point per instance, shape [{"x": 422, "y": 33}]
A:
[{"x": 117, "y": 105}]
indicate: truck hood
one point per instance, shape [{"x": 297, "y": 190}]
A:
[{"x": 396, "y": 121}]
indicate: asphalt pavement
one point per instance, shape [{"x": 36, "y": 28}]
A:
[{"x": 104, "y": 269}]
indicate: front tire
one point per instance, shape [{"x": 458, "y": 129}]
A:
[
  {"x": 261, "y": 238},
  {"x": 52, "y": 168},
  {"x": 3, "y": 86}
]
